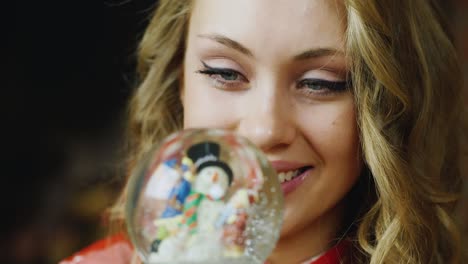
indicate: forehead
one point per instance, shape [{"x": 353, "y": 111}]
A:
[{"x": 269, "y": 26}]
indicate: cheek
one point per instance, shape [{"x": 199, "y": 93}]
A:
[
  {"x": 205, "y": 106},
  {"x": 331, "y": 139},
  {"x": 333, "y": 133},
  {"x": 334, "y": 137},
  {"x": 203, "y": 180}
]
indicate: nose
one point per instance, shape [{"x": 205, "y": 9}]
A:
[
  {"x": 268, "y": 122},
  {"x": 215, "y": 177}
]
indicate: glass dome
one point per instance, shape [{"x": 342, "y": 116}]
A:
[{"x": 204, "y": 196}]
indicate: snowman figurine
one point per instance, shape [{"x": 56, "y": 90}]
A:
[
  {"x": 198, "y": 235},
  {"x": 205, "y": 203}
]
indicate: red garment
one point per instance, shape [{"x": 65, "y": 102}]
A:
[
  {"x": 335, "y": 254},
  {"x": 118, "y": 250},
  {"x": 112, "y": 250}
]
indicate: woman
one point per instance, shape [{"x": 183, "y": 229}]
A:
[{"x": 363, "y": 95}]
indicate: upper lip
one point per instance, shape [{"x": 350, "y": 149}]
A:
[{"x": 283, "y": 166}]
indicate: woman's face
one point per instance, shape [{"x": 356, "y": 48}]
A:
[{"x": 274, "y": 71}]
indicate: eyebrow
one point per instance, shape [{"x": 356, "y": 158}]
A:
[
  {"x": 317, "y": 53},
  {"x": 228, "y": 43},
  {"x": 309, "y": 54}
]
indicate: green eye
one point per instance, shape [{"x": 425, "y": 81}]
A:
[
  {"x": 225, "y": 73},
  {"x": 224, "y": 78},
  {"x": 229, "y": 75},
  {"x": 314, "y": 86}
]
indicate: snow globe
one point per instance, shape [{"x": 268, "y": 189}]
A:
[{"x": 204, "y": 196}]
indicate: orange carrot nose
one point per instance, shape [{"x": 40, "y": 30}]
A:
[{"x": 215, "y": 177}]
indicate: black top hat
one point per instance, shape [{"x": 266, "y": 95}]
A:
[
  {"x": 206, "y": 154},
  {"x": 218, "y": 164},
  {"x": 203, "y": 151}
]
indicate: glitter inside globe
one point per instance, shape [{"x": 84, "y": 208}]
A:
[{"x": 204, "y": 196}]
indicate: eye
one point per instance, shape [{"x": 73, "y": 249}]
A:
[
  {"x": 224, "y": 78},
  {"x": 321, "y": 87}
]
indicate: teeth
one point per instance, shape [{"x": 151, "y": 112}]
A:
[
  {"x": 281, "y": 177},
  {"x": 287, "y": 176}
]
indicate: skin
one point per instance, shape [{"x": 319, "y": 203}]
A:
[{"x": 263, "y": 97}]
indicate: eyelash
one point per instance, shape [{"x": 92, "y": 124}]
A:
[
  {"x": 220, "y": 77},
  {"x": 307, "y": 86},
  {"x": 222, "y": 80}
]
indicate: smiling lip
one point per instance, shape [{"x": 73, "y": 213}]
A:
[{"x": 283, "y": 166}]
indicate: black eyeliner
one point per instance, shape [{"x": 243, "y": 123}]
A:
[
  {"x": 334, "y": 86},
  {"x": 212, "y": 71}
]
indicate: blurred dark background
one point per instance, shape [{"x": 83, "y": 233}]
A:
[{"x": 69, "y": 73}]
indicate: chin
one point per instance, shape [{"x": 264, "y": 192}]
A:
[{"x": 292, "y": 225}]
